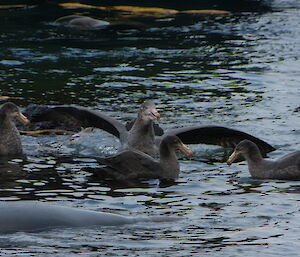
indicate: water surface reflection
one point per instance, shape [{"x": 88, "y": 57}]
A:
[{"x": 238, "y": 71}]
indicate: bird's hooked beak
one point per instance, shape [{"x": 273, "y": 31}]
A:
[
  {"x": 154, "y": 113},
  {"x": 183, "y": 148},
  {"x": 22, "y": 118},
  {"x": 232, "y": 157}
]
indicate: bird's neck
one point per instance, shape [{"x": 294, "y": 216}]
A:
[
  {"x": 143, "y": 129},
  {"x": 169, "y": 162},
  {"x": 5, "y": 122},
  {"x": 143, "y": 126},
  {"x": 255, "y": 162},
  {"x": 142, "y": 137}
]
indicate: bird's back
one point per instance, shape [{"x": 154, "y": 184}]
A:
[{"x": 130, "y": 164}]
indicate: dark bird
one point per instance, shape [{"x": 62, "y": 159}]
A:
[
  {"x": 10, "y": 141},
  {"x": 287, "y": 167},
  {"x": 141, "y": 135},
  {"x": 144, "y": 134},
  {"x": 131, "y": 164}
]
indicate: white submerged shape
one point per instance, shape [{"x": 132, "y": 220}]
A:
[
  {"x": 82, "y": 22},
  {"x": 31, "y": 216}
]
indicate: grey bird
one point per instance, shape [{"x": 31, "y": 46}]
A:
[
  {"x": 143, "y": 134},
  {"x": 287, "y": 167},
  {"x": 10, "y": 141},
  {"x": 131, "y": 164},
  {"x": 140, "y": 136}
]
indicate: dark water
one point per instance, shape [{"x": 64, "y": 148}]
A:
[{"x": 240, "y": 71}]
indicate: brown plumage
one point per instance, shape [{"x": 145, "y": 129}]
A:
[
  {"x": 144, "y": 134},
  {"x": 10, "y": 142},
  {"x": 131, "y": 165}
]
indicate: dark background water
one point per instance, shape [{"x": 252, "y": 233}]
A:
[
  {"x": 240, "y": 71},
  {"x": 230, "y": 5}
]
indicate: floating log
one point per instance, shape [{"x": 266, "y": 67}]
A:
[{"x": 46, "y": 132}]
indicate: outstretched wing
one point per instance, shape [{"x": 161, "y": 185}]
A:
[
  {"x": 80, "y": 117},
  {"x": 217, "y": 135}
]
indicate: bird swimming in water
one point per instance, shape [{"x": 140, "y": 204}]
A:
[
  {"x": 10, "y": 141},
  {"x": 131, "y": 164},
  {"x": 143, "y": 134},
  {"x": 287, "y": 167}
]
